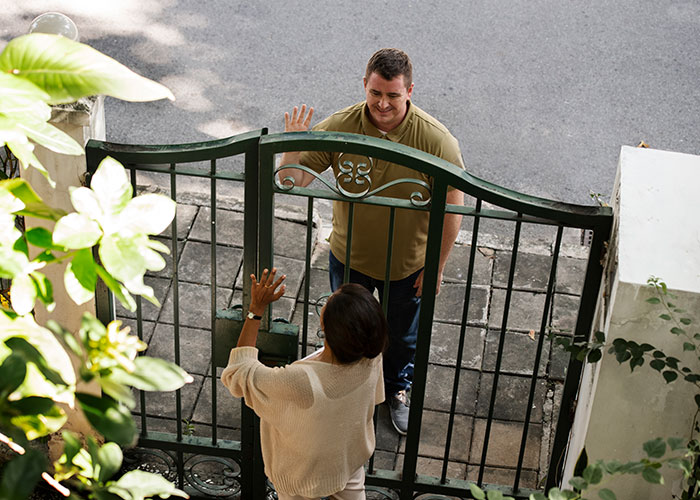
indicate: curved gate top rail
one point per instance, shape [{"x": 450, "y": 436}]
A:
[{"x": 582, "y": 216}]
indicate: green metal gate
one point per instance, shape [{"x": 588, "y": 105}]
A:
[{"x": 240, "y": 458}]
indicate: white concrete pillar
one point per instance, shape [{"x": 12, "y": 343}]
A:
[
  {"x": 656, "y": 232},
  {"x": 82, "y": 120}
]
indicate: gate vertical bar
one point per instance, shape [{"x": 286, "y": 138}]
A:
[
  {"x": 462, "y": 337},
  {"x": 540, "y": 343},
  {"x": 425, "y": 324},
  {"x": 582, "y": 332},
  {"x": 501, "y": 344},
  {"x": 255, "y": 243},
  {"x": 212, "y": 305}
]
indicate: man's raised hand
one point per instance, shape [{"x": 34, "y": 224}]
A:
[{"x": 298, "y": 122}]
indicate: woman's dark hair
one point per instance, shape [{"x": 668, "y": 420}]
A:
[{"x": 354, "y": 324}]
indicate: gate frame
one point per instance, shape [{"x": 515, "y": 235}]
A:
[{"x": 260, "y": 150}]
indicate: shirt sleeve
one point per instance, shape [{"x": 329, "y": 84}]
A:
[
  {"x": 266, "y": 390},
  {"x": 379, "y": 391},
  {"x": 318, "y": 161}
]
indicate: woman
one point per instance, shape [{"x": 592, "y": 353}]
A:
[{"x": 315, "y": 414}]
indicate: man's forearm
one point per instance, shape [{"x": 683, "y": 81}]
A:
[
  {"x": 301, "y": 178},
  {"x": 450, "y": 228}
]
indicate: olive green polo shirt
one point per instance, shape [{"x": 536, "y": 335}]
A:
[{"x": 371, "y": 223}]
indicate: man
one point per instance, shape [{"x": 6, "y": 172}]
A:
[{"x": 387, "y": 113}]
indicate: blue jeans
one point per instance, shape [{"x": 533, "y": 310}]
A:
[{"x": 402, "y": 315}]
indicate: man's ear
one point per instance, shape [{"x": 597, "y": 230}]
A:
[
  {"x": 409, "y": 91},
  {"x": 364, "y": 82}
]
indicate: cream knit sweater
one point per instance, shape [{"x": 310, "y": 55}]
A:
[{"x": 315, "y": 417}]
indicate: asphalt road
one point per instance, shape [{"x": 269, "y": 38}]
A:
[{"x": 541, "y": 94}]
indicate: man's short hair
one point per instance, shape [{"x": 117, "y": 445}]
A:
[{"x": 390, "y": 63}]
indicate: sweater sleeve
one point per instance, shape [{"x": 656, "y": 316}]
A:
[
  {"x": 266, "y": 390},
  {"x": 379, "y": 395}
]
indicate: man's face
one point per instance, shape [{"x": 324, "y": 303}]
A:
[{"x": 387, "y": 100}]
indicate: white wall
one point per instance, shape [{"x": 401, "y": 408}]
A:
[{"x": 657, "y": 232}]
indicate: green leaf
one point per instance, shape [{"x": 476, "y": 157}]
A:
[
  {"x": 80, "y": 277},
  {"x": 606, "y": 494},
  {"x": 33, "y": 204},
  {"x": 85, "y": 202},
  {"x": 653, "y": 300},
  {"x": 67, "y": 337},
  {"x": 24, "y": 151},
  {"x": 44, "y": 289},
  {"x": 71, "y": 446},
  {"x": 556, "y": 494},
  {"x": 110, "y": 460},
  {"x": 477, "y": 492},
  {"x": 110, "y": 418},
  {"x": 612, "y": 466},
  {"x": 148, "y": 214},
  {"x": 19, "y": 88},
  {"x": 687, "y": 346},
  {"x": 665, "y": 317},
  {"x": 537, "y": 496},
  {"x": 594, "y": 356},
  {"x": 111, "y": 187},
  {"x": 656, "y": 448},
  {"x": 686, "y": 321},
  {"x": 12, "y": 372},
  {"x": 49, "y": 136},
  {"x": 39, "y": 237},
  {"x": 31, "y": 354},
  {"x": 681, "y": 464},
  {"x": 669, "y": 376},
  {"x": 23, "y": 293},
  {"x": 676, "y": 443},
  {"x": 68, "y": 70},
  {"x": 599, "y": 337},
  {"x": 20, "y": 475},
  {"x": 677, "y": 331},
  {"x": 36, "y": 416},
  {"x": 142, "y": 485},
  {"x": 153, "y": 374},
  {"x": 657, "y": 364},
  {"x": 119, "y": 291},
  {"x": 578, "y": 483},
  {"x": 652, "y": 475},
  {"x": 697, "y": 400},
  {"x": 659, "y": 354},
  {"x": 32, "y": 405},
  {"x": 593, "y": 473},
  {"x": 76, "y": 231}
]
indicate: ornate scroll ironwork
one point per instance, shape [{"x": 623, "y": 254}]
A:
[
  {"x": 357, "y": 175},
  {"x": 212, "y": 477}
]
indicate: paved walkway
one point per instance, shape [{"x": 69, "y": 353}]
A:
[{"x": 478, "y": 364}]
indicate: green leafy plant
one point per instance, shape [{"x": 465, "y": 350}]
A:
[
  {"x": 675, "y": 453},
  {"x": 37, "y": 377}
]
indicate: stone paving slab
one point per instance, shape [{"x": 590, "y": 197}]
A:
[
  {"x": 195, "y": 264},
  {"x": 228, "y": 407},
  {"x": 444, "y": 344},
  {"x": 195, "y": 347},
  {"x": 194, "y": 304},
  {"x": 525, "y": 314},
  {"x": 511, "y": 397},
  {"x": 518, "y": 355},
  {"x": 449, "y": 304}
]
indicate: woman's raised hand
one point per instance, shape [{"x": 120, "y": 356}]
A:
[{"x": 266, "y": 291}]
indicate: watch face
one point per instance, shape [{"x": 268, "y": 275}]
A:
[{"x": 251, "y": 315}]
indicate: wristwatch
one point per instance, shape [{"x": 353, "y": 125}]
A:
[{"x": 253, "y": 316}]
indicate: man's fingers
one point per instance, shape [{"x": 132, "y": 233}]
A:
[{"x": 308, "y": 117}]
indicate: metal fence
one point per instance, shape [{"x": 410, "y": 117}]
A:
[{"x": 247, "y": 162}]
